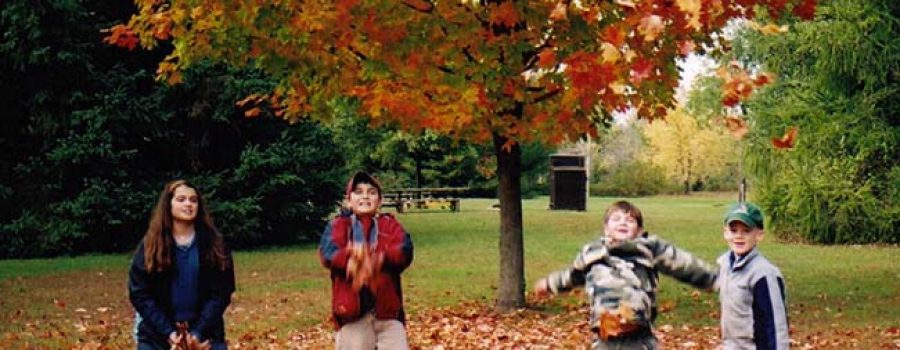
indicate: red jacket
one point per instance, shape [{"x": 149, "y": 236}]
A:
[{"x": 389, "y": 238}]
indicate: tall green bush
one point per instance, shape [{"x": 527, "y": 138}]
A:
[{"x": 839, "y": 183}]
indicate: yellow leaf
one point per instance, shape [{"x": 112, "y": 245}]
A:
[
  {"x": 692, "y": 9},
  {"x": 610, "y": 53},
  {"x": 629, "y": 55},
  {"x": 773, "y": 29},
  {"x": 651, "y": 27},
  {"x": 559, "y": 12},
  {"x": 617, "y": 87}
]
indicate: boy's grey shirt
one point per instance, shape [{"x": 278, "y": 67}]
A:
[
  {"x": 623, "y": 278},
  {"x": 752, "y": 296}
]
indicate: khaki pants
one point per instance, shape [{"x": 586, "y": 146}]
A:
[{"x": 369, "y": 333}]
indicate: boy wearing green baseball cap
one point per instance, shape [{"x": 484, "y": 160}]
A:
[{"x": 751, "y": 288}]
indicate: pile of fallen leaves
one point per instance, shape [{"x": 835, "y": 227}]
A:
[
  {"x": 475, "y": 325},
  {"x": 469, "y": 325}
]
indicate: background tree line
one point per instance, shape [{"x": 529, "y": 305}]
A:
[{"x": 89, "y": 138}]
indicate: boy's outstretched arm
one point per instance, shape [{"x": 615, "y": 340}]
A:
[
  {"x": 333, "y": 253},
  {"x": 770, "y": 326},
  {"x": 680, "y": 264},
  {"x": 573, "y": 276}
]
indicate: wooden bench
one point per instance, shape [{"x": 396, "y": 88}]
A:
[{"x": 405, "y": 199}]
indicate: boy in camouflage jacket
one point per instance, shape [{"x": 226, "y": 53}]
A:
[{"x": 620, "y": 274}]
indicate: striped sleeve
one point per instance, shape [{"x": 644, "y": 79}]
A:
[
  {"x": 770, "y": 326},
  {"x": 574, "y": 276}
]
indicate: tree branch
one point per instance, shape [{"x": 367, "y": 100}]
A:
[{"x": 419, "y": 5}]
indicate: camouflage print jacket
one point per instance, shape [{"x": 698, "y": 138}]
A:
[{"x": 621, "y": 280}]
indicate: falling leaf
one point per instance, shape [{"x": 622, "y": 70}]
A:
[
  {"x": 786, "y": 141},
  {"x": 736, "y": 126},
  {"x": 763, "y": 79}
]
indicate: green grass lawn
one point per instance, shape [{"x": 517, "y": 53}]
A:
[{"x": 43, "y": 302}]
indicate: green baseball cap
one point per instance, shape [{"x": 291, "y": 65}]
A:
[{"x": 748, "y": 213}]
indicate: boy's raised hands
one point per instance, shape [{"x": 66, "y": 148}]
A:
[{"x": 363, "y": 265}]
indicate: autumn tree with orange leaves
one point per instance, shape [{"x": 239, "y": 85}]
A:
[{"x": 489, "y": 71}]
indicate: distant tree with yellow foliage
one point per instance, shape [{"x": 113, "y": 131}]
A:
[{"x": 690, "y": 149}]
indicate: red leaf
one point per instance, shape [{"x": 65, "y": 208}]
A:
[
  {"x": 786, "y": 141},
  {"x": 613, "y": 35},
  {"x": 736, "y": 126},
  {"x": 640, "y": 70},
  {"x": 686, "y": 47},
  {"x": 559, "y": 12},
  {"x": 121, "y": 36},
  {"x": 547, "y": 58},
  {"x": 505, "y": 14},
  {"x": 806, "y": 9}
]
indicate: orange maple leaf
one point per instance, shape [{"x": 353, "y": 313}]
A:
[
  {"x": 505, "y": 14},
  {"x": 252, "y": 112},
  {"x": 121, "y": 36},
  {"x": 559, "y": 12},
  {"x": 507, "y": 146},
  {"x": 763, "y": 79},
  {"x": 640, "y": 70},
  {"x": 614, "y": 35},
  {"x": 786, "y": 141},
  {"x": 547, "y": 58}
]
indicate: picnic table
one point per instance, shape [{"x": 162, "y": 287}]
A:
[{"x": 404, "y": 199}]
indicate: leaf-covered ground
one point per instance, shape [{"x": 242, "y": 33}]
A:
[{"x": 470, "y": 325}]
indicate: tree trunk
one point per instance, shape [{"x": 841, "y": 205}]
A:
[{"x": 511, "y": 293}]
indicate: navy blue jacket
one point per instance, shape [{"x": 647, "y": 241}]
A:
[{"x": 150, "y": 294}]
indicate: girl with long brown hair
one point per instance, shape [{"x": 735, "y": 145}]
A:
[{"x": 182, "y": 273}]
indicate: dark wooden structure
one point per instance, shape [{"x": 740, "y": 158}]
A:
[
  {"x": 405, "y": 199},
  {"x": 568, "y": 182}
]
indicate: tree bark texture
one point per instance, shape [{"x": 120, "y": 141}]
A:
[{"x": 511, "y": 293}]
